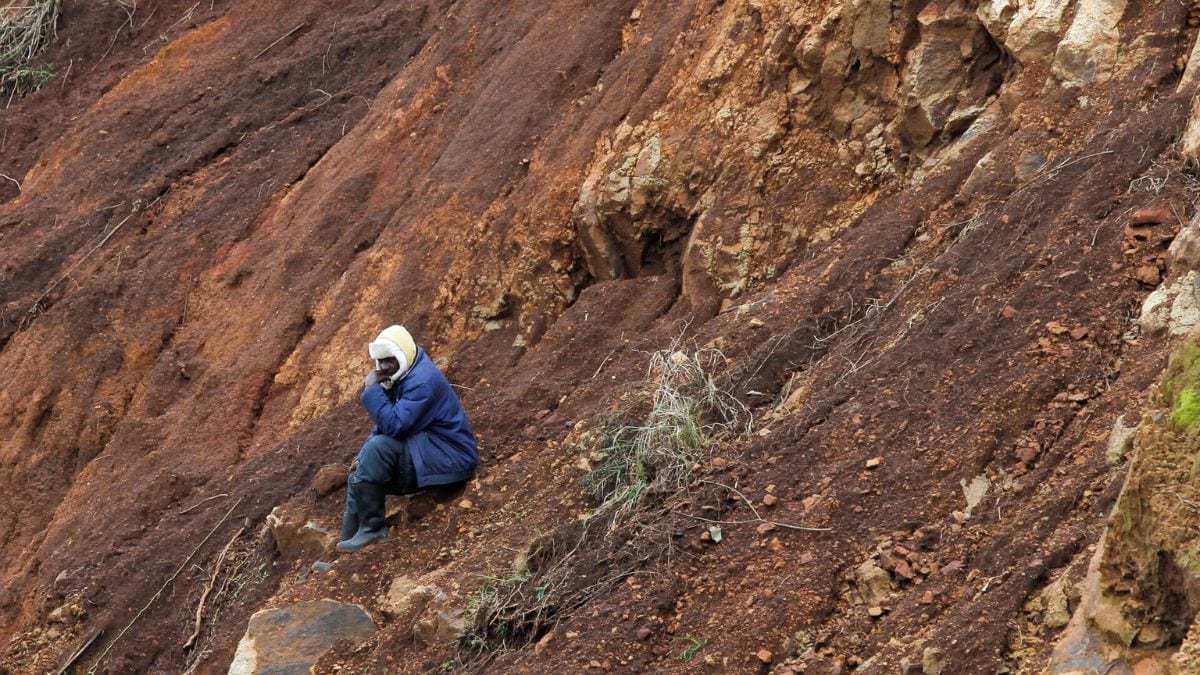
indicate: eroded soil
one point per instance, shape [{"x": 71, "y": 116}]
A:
[{"x": 219, "y": 204}]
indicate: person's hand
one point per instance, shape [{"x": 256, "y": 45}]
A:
[{"x": 373, "y": 377}]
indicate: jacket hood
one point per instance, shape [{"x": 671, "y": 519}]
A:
[{"x": 394, "y": 341}]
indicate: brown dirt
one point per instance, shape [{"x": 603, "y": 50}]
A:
[{"x": 211, "y": 224}]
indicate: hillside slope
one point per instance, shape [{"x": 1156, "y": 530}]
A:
[{"x": 920, "y": 233}]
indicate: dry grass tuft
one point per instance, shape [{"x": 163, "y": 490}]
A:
[
  {"x": 645, "y": 454},
  {"x": 26, "y": 29},
  {"x": 663, "y": 430}
]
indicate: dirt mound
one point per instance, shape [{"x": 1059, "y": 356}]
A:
[{"x": 920, "y": 234}]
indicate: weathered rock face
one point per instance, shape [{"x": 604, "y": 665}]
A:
[
  {"x": 1142, "y": 587},
  {"x": 950, "y": 74},
  {"x": 1173, "y": 307},
  {"x": 1088, "y": 51},
  {"x": 291, "y": 639}
]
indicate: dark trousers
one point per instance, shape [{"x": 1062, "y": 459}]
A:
[{"x": 384, "y": 461}]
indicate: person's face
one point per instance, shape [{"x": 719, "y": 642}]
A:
[{"x": 389, "y": 366}]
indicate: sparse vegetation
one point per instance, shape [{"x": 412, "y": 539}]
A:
[
  {"x": 26, "y": 29},
  {"x": 692, "y": 647},
  {"x": 494, "y": 593},
  {"x": 646, "y": 452},
  {"x": 662, "y": 430},
  {"x": 1181, "y": 385}
]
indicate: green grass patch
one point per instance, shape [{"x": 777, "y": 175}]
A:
[{"x": 691, "y": 648}]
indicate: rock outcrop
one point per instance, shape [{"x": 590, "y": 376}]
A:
[{"x": 292, "y": 639}]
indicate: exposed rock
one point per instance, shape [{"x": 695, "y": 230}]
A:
[
  {"x": 439, "y": 626},
  {"x": 871, "y": 19},
  {"x": 1028, "y": 165},
  {"x": 291, "y": 639},
  {"x": 408, "y": 597},
  {"x": 986, "y": 172},
  {"x": 1191, "y": 70},
  {"x": 1088, "y": 52},
  {"x": 1151, "y": 215},
  {"x": 1058, "y": 611},
  {"x": 1140, "y": 580},
  {"x": 873, "y": 583},
  {"x": 328, "y": 479},
  {"x": 297, "y": 537},
  {"x": 1035, "y": 28},
  {"x": 1189, "y": 142},
  {"x": 1120, "y": 441},
  {"x": 931, "y": 661},
  {"x": 1172, "y": 307},
  {"x": 935, "y": 83},
  {"x": 1184, "y": 252},
  {"x": 1149, "y": 275},
  {"x": 59, "y": 615}
]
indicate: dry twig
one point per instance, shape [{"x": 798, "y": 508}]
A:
[
  {"x": 281, "y": 39},
  {"x": 756, "y": 519},
  {"x": 79, "y": 652},
  {"x": 33, "y": 309},
  {"x": 202, "y": 501},
  {"x": 212, "y": 580},
  {"x": 96, "y": 666}
]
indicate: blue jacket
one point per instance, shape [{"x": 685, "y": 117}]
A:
[{"x": 422, "y": 410}]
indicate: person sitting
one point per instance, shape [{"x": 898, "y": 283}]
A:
[{"x": 421, "y": 437}]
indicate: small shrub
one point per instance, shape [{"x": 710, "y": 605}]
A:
[
  {"x": 486, "y": 607},
  {"x": 646, "y": 451},
  {"x": 663, "y": 430},
  {"x": 26, "y": 29}
]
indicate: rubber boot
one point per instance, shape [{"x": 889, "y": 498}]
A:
[
  {"x": 369, "y": 499},
  {"x": 349, "y": 525}
]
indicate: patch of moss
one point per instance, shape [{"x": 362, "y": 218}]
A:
[
  {"x": 1187, "y": 410},
  {"x": 1182, "y": 374},
  {"x": 1180, "y": 389}
]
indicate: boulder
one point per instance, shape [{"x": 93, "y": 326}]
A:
[
  {"x": 1120, "y": 441},
  {"x": 871, "y": 20},
  {"x": 291, "y": 639},
  {"x": 1191, "y": 70},
  {"x": 931, "y": 661},
  {"x": 1035, "y": 29},
  {"x": 295, "y": 536},
  {"x": 1184, "y": 252},
  {"x": 935, "y": 81},
  {"x": 1189, "y": 142},
  {"x": 1058, "y": 611}
]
